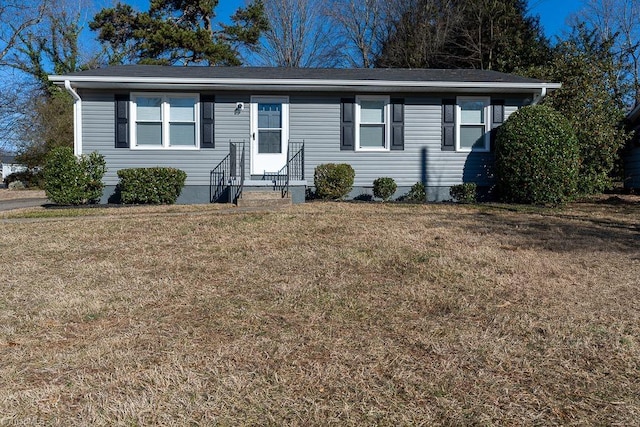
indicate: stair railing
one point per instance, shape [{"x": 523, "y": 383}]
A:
[{"x": 228, "y": 175}]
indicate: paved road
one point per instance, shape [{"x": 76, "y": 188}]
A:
[{"x": 7, "y": 205}]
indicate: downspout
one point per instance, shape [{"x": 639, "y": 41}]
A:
[
  {"x": 538, "y": 98},
  {"x": 77, "y": 118}
]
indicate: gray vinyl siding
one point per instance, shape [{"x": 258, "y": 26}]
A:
[
  {"x": 98, "y": 115},
  {"x": 314, "y": 118},
  {"x": 632, "y": 168}
]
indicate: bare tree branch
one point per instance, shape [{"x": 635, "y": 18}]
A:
[
  {"x": 16, "y": 16},
  {"x": 618, "y": 20},
  {"x": 299, "y": 35},
  {"x": 362, "y": 25}
]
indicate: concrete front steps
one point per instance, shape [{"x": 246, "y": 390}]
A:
[{"x": 262, "y": 199}]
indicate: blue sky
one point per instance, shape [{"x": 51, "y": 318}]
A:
[{"x": 553, "y": 13}]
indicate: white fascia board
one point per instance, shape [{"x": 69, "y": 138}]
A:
[{"x": 291, "y": 84}]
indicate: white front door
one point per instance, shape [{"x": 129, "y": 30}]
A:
[{"x": 269, "y": 133}]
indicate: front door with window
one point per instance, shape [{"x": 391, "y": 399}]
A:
[{"x": 269, "y": 134}]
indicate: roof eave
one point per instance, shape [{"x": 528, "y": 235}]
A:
[{"x": 155, "y": 83}]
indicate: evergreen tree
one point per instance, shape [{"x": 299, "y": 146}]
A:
[
  {"x": 481, "y": 34},
  {"x": 590, "y": 98},
  {"x": 178, "y": 32}
]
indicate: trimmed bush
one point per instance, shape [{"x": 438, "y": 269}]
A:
[
  {"x": 384, "y": 188},
  {"x": 464, "y": 193},
  {"x": 154, "y": 186},
  {"x": 537, "y": 157},
  {"x": 71, "y": 180},
  {"x": 417, "y": 193},
  {"x": 333, "y": 181}
]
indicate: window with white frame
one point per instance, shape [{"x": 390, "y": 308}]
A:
[
  {"x": 372, "y": 123},
  {"x": 164, "y": 121},
  {"x": 473, "y": 123}
]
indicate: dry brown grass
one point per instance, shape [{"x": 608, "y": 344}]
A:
[
  {"x": 6, "y": 194},
  {"x": 325, "y": 313}
]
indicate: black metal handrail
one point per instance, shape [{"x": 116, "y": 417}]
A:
[
  {"x": 237, "y": 170},
  {"x": 218, "y": 180},
  {"x": 228, "y": 175},
  {"x": 293, "y": 170}
]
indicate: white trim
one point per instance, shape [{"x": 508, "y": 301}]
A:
[
  {"x": 487, "y": 122},
  {"x": 165, "y": 120},
  {"x": 387, "y": 121},
  {"x": 77, "y": 118},
  {"x": 537, "y": 98},
  {"x": 244, "y": 83},
  {"x": 253, "y": 147}
]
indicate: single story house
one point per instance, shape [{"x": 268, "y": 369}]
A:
[
  {"x": 235, "y": 128},
  {"x": 632, "y": 152}
]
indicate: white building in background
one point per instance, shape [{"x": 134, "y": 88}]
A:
[{"x": 9, "y": 165}]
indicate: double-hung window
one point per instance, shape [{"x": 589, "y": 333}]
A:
[
  {"x": 372, "y": 123},
  {"x": 472, "y": 117},
  {"x": 164, "y": 121}
]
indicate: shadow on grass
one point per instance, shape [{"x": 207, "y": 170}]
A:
[{"x": 586, "y": 228}]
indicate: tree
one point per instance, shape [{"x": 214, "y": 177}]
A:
[
  {"x": 419, "y": 36},
  {"x": 16, "y": 16},
  {"x": 361, "y": 25},
  {"x": 46, "y": 123},
  {"x": 178, "y": 32},
  {"x": 590, "y": 98},
  {"x": 482, "y": 34},
  {"x": 298, "y": 35},
  {"x": 618, "y": 20},
  {"x": 42, "y": 117}
]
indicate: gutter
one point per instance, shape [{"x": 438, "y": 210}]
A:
[
  {"x": 77, "y": 118},
  {"x": 293, "y": 84},
  {"x": 537, "y": 98}
]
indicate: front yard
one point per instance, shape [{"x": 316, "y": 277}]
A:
[{"x": 324, "y": 313}]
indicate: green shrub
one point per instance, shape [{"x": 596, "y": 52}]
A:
[
  {"x": 417, "y": 193},
  {"x": 464, "y": 193},
  {"x": 69, "y": 180},
  {"x": 333, "y": 181},
  {"x": 537, "y": 157},
  {"x": 155, "y": 186},
  {"x": 29, "y": 178},
  {"x": 384, "y": 188}
]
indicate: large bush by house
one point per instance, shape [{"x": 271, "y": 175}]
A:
[
  {"x": 333, "y": 181},
  {"x": 155, "y": 186},
  {"x": 591, "y": 98},
  {"x": 71, "y": 180},
  {"x": 537, "y": 157}
]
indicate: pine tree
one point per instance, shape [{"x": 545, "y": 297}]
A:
[
  {"x": 482, "y": 34},
  {"x": 178, "y": 32}
]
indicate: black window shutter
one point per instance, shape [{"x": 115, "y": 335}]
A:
[
  {"x": 207, "y": 116},
  {"x": 122, "y": 121},
  {"x": 497, "y": 105},
  {"x": 347, "y": 124},
  {"x": 497, "y": 118},
  {"x": 397, "y": 124},
  {"x": 448, "y": 125}
]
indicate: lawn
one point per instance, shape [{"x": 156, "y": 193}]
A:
[{"x": 321, "y": 314}]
